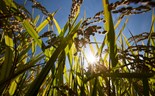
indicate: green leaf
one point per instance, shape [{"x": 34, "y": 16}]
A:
[
  {"x": 123, "y": 27},
  {"x": 29, "y": 28},
  {"x": 94, "y": 92},
  {"x": 57, "y": 25},
  {"x": 10, "y": 3},
  {"x": 13, "y": 86},
  {"x": 22, "y": 68},
  {"x": 110, "y": 36},
  {"x": 33, "y": 90},
  {"x": 36, "y": 19},
  {"x": 28, "y": 65},
  {"x": 32, "y": 32},
  {"x": 25, "y": 51},
  {"x": 45, "y": 22},
  {"x": 6, "y": 67},
  {"x": 118, "y": 22}
]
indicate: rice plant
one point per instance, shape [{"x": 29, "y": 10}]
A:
[{"x": 123, "y": 65}]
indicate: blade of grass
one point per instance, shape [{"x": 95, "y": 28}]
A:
[
  {"x": 94, "y": 92},
  {"x": 36, "y": 19},
  {"x": 45, "y": 22},
  {"x": 13, "y": 86},
  {"x": 6, "y": 67},
  {"x": 110, "y": 36},
  {"x": 23, "y": 52},
  {"x": 22, "y": 68},
  {"x": 33, "y": 90},
  {"x": 10, "y": 3},
  {"x": 57, "y": 25},
  {"x": 123, "y": 27},
  {"x": 35, "y": 36},
  {"x": 118, "y": 22},
  {"x": 8, "y": 59},
  {"x": 33, "y": 33}
]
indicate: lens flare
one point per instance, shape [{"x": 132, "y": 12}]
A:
[{"x": 92, "y": 59}]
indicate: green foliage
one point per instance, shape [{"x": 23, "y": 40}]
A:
[{"x": 124, "y": 66}]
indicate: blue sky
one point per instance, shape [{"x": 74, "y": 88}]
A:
[{"x": 136, "y": 24}]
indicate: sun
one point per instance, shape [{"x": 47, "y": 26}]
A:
[{"x": 92, "y": 59}]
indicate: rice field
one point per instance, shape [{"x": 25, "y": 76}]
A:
[{"x": 120, "y": 66}]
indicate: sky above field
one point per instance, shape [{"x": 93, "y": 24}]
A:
[{"x": 136, "y": 24}]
